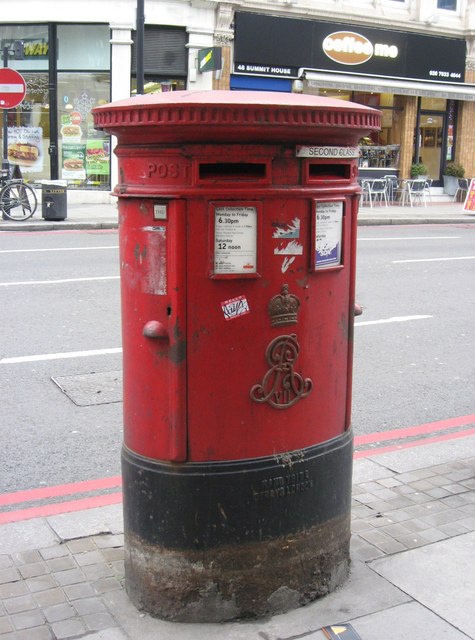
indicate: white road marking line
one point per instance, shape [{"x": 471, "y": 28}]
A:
[
  {"x": 411, "y": 238},
  {"x": 65, "y": 280},
  {"x": 56, "y": 249},
  {"x": 395, "y": 319},
  {"x": 435, "y": 259},
  {"x": 60, "y": 356}
]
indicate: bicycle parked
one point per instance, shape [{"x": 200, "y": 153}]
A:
[{"x": 18, "y": 200}]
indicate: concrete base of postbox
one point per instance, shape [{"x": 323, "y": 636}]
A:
[{"x": 210, "y": 542}]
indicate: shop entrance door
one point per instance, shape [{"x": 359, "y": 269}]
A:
[{"x": 432, "y": 133}]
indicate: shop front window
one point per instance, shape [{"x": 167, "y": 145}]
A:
[
  {"x": 83, "y": 83},
  {"x": 28, "y": 124},
  {"x": 433, "y": 104},
  {"x": 154, "y": 84},
  {"x": 84, "y": 152},
  {"x": 83, "y": 47},
  {"x": 164, "y": 59},
  {"x": 55, "y": 115},
  {"x": 381, "y": 149},
  {"x": 340, "y": 94},
  {"x": 435, "y": 140},
  {"x": 449, "y": 5},
  {"x": 431, "y": 138},
  {"x": 28, "y": 130}
]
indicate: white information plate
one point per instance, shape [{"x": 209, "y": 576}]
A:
[
  {"x": 159, "y": 211},
  {"x": 327, "y": 152},
  {"x": 328, "y": 234},
  {"x": 235, "y": 240}
]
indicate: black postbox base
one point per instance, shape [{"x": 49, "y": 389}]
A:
[{"x": 209, "y": 542}]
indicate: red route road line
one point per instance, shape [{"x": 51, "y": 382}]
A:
[
  {"x": 366, "y": 453},
  {"x": 116, "y": 481},
  {"x": 429, "y": 427},
  {"x": 60, "y": 490},
  {"x": 60, "y": 507}
]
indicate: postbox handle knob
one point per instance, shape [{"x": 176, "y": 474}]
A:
[{"x": 155, "y": 329}]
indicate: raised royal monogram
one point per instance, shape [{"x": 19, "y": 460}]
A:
[{"x": 282, "y": 386}]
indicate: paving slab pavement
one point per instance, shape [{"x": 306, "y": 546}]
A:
[
  {"x": 412, "y": 550},
  {"x": 426, "y": 575}
]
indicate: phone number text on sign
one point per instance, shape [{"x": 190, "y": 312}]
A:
[
  {"x": 435, "y": 73},
  {"x": 235, "y": 240}
]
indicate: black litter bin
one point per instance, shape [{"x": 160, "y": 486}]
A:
[{"x": 54, "y": 200}]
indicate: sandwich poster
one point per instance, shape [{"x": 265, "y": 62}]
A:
[
  {"x": 25, "y": 148},
  {"x": 73, "y": 166},
  {"x": 73, "y": 149},
  {"x": 97, "y": 157}
]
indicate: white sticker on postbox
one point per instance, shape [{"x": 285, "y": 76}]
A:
[{"x": 235, "y": 307}]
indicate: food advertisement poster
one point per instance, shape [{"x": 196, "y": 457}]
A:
[
  {"x": 97, "y": 157},
  {"x": 73, "y": 161},
  {"x": 25, "y": 148},
  {"x": 73, "y": 149}
]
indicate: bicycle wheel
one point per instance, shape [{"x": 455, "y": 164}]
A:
[{"x": 18, "y": 201}]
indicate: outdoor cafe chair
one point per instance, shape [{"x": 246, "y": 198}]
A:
[
  {"x": 462, "y": 188},
  {"x": 427, "y": 187},
  {"x": 377, "y": 191},
  {"x": 364, "y": 192},
  {"x": 392, "y": 185},
  {"x": 414, "y": 191}
]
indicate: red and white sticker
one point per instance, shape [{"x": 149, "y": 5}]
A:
[{"x": 235, "y": 307}]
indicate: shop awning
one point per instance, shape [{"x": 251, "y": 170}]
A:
[{"x": 448, "y": 90}]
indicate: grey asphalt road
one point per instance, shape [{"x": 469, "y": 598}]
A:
[
  {"x": 59, "y": 293},
  {"x": 418, "y": 370},
  {"x": 46, "y": 438}
]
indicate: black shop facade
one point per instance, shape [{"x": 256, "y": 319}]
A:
[{"x": 416, "y": 80}]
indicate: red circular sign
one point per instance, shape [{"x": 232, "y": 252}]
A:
[
  {"x": 12, "y": 88},
  {"x": 76, "y": 117}
]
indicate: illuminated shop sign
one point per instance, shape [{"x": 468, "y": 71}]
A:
[
  {"x": 269, "y": 45},
  {"x": 347, "y": 47}
]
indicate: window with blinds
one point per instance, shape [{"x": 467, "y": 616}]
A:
[{"x": 165, "y": 52}]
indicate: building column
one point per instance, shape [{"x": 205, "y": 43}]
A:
[
  {"x": 408, "y": 118},
  {"x": 223, "y": 37},
  {"x": 198, "y": 39},
  {"x": 465, "y": 143},
  {"x": 121, "y": 56}
]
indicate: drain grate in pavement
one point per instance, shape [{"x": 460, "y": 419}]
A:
[{"x": 92, "y": 388}]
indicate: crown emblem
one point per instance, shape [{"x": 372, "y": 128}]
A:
[{"x": 283, "y": 308}]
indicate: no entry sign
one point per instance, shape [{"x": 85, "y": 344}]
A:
[{"x": 12, "y": 88}]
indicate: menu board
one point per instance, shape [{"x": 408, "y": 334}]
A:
[
  {"x": 328, "y": 234},
  {"x": 235, "y": 240}
]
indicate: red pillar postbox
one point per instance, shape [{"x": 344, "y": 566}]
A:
[{"x": 237, "y": 255}]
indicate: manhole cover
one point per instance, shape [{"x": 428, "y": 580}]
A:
[{"x": 92, "y": 388}]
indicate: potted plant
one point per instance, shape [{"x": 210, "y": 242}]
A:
[
  {"x": 418, "y": 170},
  {"x": 452, "y": 172}
]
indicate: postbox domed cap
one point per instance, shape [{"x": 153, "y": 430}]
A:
[{"x": 236, "y": 116}]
